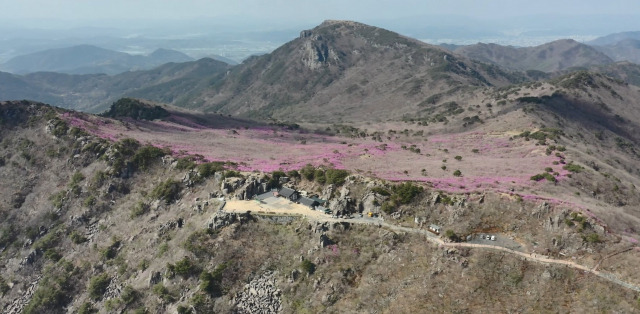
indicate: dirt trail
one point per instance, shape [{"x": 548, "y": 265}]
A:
[{"x": 282, "y": 206}]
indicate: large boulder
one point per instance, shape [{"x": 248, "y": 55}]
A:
[{"x": 252, "y": 187}]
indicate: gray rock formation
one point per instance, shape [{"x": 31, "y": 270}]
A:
[
  {"x": 327, "y": 192},
  {"x": 261, "y": 295},
  {"x": 556, "y": 222},
  {"x": 251, "y": 187},
  {"x": 19, "y": 303},
  {"x": 229, "y": 185},
  {"x": 221, "y": 219}
]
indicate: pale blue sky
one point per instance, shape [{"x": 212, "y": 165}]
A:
[{"x": 304, "y": 9}]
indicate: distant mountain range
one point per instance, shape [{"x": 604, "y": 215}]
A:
[
  {"x": 87, "y": 59},
  {"x": 339, "y": 70},
  {"x": 550, "y": 57},
  {"x": 168, "y": 83}
]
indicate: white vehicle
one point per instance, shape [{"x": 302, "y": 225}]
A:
[{"x": 493, "y": 238}]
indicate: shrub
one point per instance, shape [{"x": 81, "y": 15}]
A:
[
  {"x": 163, "y": 293},
  {"x": 208, "y": 169},
  {"x": 183, "y": 309},
  {"x": 545, "y": 175},
  {"x": 405, "y": 192},
  {"x": 593, "y": 238},
  {"x": 458, "y": 158},
  {"x": 380, "y": 191},
  {"x": 144, "y": 156},
  {"x": 475, "y": 150},
  {"x": 336, "y": 176},
  {"x": 129, "y": 295},
  {"x": 388, "y": 207},
  {"x": 76, "y": 178},
  {"x": 308, "y": 266},
  {"x": 89, "y": 201},
  {"x": 140, "y": 209},
  {"x": 87, "y": 308},
  {"x": 57, "y": 199},
  {"x": 143, "y": 265},
  {"x": 232, "y": 174},
  {"x": 293, "y": 174},
  {"x": 319, "y": 176},
  {"x": 307, "y": 172},
  {"x": 211, "y": 281},
  {"x": 457, "y": 173},
  {"x": 133, "y": 108},
  {"x": 52, "y": 254},
  {"x": 4, "y": 287},
  {"x": 184, "y": 267},
  {"x": 185, "y": 163},
  {"x": 451, "y": 235},
  {"x": 548, "y": 169},
  {"x": 112, "y": 250},
  {"x": 54, "y": 290},
  {"x": 573, "y": 167},
  {"x": 169, "y": 191},
  {"x": 98, "y": 286}
]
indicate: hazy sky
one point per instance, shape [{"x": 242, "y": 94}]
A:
[{"x": 304, "y": 9}]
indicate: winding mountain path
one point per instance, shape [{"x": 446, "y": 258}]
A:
[{"x": 300, "y": 210}]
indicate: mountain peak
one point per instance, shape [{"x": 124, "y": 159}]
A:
[{"x": 338, "y": 22}]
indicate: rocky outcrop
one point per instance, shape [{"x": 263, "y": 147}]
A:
[
  {"x": 556, "y": 222},
  {"x": 252, "y": 186},
  {"x": 541, "y": 210},
  {"x": 30, "y": 258},
  {"x": 190, "y": 178},
  {"x": 222, "y": 219},
  {"x": 434, "y": 199},
  {"x": 19, "y": 303},
  {"x": 327, "y": 192},
  {"x": 370, "y": 203},
  {"x": 316, "y": 51},
  {"x": 229, "y": 185},
  {"x": 155, "y": 278},
  {"x": 261, "y": 295},
  {"x": 325, "y": 241}
]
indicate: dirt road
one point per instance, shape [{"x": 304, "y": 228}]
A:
[{"x": 282, "y": 206}]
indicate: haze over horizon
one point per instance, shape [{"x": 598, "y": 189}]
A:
[{"x": 237, "y": 29}]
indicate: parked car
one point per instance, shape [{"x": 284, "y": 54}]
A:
[{"x": 493, "y": 238}]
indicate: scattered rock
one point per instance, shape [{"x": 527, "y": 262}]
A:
[
  {"x": 261, "y": 295},
  {"x": 19, "y": 303}
]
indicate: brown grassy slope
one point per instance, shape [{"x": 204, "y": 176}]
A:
[
  {"x": 550, "y": 57},
  {"x": 369, "y": 270},
  {"x": 345, "y": 71}
]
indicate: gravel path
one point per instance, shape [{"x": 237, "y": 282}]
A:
[{"x": 282, "y": 206}]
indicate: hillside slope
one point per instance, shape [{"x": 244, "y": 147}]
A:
[
  {"x": 168, "y": 83},
  {"x": 344, "y": 70},
  {"x": 123, "y": 226},
  {"x": 87, "y": 59},
  {"x": 550, "y": 57},
  {"x": 624, "y": 50}
]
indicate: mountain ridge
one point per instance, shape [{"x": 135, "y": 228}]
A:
[
  {"x": 550, "y": 57},
  {"x": 89, "y": 59}
]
